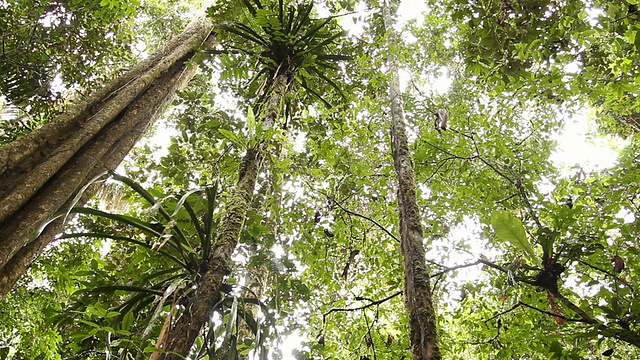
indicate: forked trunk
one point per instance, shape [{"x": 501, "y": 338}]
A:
[
  {"x": 201, "y": 305},
  {"x": 42, "y": 173},
  {"x": 417, "y": 290}
]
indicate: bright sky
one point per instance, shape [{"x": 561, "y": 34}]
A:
[{"x": 578, "y": 146}]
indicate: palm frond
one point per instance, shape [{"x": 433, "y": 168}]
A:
[
  {"x": 250, "y": 7},
  {"x": 327, "y": 41},
  {"x": 244, "y": 32},
  {"x": 143, "y": 244},
  {"x": 303, "y": 18},
  {"x": 314, "y": 93},
  {"x": 311, "y": 32},
  {"x": 288, "y": 25},
  {"x": 329, "y": 81}
]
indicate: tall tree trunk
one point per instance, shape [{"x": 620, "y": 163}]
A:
[
  {"x": 417, "y": 290},
  {"x": 200, "y": 307},
  {"x": 43, "y": 172}
]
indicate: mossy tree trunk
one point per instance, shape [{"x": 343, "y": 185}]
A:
[
  {"x": 200, "y": 307},
  {"x": 43, "y": 172},
  {"x": 417, "y": 289}
]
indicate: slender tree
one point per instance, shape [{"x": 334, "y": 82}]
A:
[
  {"x": 43, "y": 173},
  {"x": 290, "y": 41},
  {"x": 188, "y": 326},
  {"x": 417, "y": 289}
]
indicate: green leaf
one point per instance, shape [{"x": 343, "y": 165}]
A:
[
  {"x": 90, "y": 323},
  {"x": 251, "y": 122},
  {"x": 235, "y": 139},
  {"x": 556, "y": 349},
  {"x": 127, "y": 321},
  {"x": 636, "y": 41},
  {"x": 509, "y": 228}
]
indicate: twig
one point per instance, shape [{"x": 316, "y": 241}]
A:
[
  {"x": 489, "y": 264},
  {"x": 372, "y": 303},
  {"x": 368, "y": 334},
  {"x": 515, "y": 180},
  {"x": 520, "y": 303},
  {"x": 451, "y": 155},
  {"x": 596, "y": 268},
  {"x": 624, "y": 17},
  {"x": 447, "y": 269},
  {"x": 362, "y": 216},
  {"x": 440, "y": 163},
  {"x": 507, "y": 198},
  {"x": 503, "y": 312},
  {"x": 583, "y": 315}
]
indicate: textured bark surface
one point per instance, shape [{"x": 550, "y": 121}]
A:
[
  {"x": 42, "y": 172},
  {"x": 417, "y": 289},
  {"x": 201, "y": 306}
]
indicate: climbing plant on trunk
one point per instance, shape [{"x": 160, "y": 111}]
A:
[
  {"x": 290, "y": 48},
  {"x": 43, "y": 172},
  {"x": 417, "y": 289}
]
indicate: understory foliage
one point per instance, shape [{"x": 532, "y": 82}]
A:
[{"x": 529, "y": 258}]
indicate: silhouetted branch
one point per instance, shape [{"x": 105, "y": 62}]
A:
[
  {"x": 523, "y": 304},
  {"x": 372, "y": 303},
  {"x": 362, "y": 216}
]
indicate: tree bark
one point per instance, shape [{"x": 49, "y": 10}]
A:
[
  {"x": 43, "y": 172},
  {"x": 201, "y": 306},
  {"x": 417, "y": 289}
]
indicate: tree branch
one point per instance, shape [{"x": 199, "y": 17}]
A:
[
  {"x": 515, "y": 180},
  {"x": 372, "y": 303},
  {"x": 520, "y": 304},
  {"x": 362, "y": 216},
  {"x": 583, "y": 315}
]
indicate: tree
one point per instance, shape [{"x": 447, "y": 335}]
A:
[
  {"x": 287, "y": 49},
  {"x": 517, "y": 248},
  {"x": 44, "y": 171},
  {"x": 417, "y": 288},
  {"x": 43, "y": 42},
  {"x": 289, "y": 46}
]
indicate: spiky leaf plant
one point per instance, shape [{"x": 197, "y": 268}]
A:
[
  {"x": 126, "y": 296},
  {"x": 285, "y": 39}
]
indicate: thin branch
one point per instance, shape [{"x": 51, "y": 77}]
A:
[
  {"x": 372, "y": 303},
  {"x": 506, "y": 271},
  {"x": 368, "y": 334},
  {"x": 507, "y": 198},
  {"x": 439, "y": 165},
  {"x": 609, "y": 274},
  {"x": 521, "y": 304},
  {"x": 489, "y": 264},
  {"x": 551, "y": 313},
  {"x": 362, "y": 216},
  {"x": 451, "y": 155},
  {"x": 596, "y": 268},
  {"x": 503, "y": 312},
  {"x": 447, "y": 269},
  {"x": 583, "y": 315},
  {"x": 515, "y": 180},
  {"x": 630, "y": 13}
]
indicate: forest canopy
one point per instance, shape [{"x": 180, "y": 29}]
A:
[{"x": 275, "y": 179}]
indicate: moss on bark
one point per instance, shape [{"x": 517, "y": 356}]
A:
[
  {"x": 42, "y": 172},
  {"x": 418, "y": 297}
]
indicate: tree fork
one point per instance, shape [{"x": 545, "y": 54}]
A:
[{"x": 418, "y": 297}]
